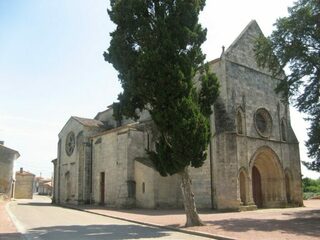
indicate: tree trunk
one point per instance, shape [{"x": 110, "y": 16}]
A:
[{"x": 193, "y": 218}]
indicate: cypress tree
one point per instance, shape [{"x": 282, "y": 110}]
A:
[{"x": 156, "y": 49}]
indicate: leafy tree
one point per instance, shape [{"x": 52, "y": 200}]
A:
[
  {"x": 156, "y": 50},
  {"x": 311, "y": 188},
  {"x": 311, "y": 185},
  {"x": 295, "y": 43}
]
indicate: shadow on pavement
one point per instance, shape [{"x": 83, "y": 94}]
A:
[
  {"x": 112, "y": 232},
  {"x": 38, "y": 204},
  {"x": 148, "y": 212},
  {"x": 305, "y": 214},
  {"x": 303, "y": 223},
  {"x": 10, "y": 236}
]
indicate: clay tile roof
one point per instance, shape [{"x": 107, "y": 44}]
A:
[
  {"x": 145, "y": 161},
  {"x": 49, "y": 184},
  {"x": 88, "y": 122},
  {"x": 109, "y": 108},
  {"x": 25, "y": 173}
]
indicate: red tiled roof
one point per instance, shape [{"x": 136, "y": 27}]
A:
[
  {"x": 24, "y": 173},
  {"x": 88, "y": 122}
]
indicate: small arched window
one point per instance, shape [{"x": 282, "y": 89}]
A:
[
  {"x": 143, "y": 187},
  {"x": 239, "y": 123}
]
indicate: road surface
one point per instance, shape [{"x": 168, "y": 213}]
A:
[{"x": 38, "y": 219}]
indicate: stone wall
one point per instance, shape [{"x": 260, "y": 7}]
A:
[
  {"x": 145, "y": 178},
  {"x": 68, "y": 173},
  {"x": 168, "y": 192},
  {"x": 7, "y": 157},
  {"x": 24, "y": 185},
  {"x": 113, "y": 154},
  {"x": 244, "y": 89},
  {"x": 6, "y": 172},
  {"x": 155, "y": 191},
  {"x": 73, "y": 180},
  {"x": 201, "y": 184}
]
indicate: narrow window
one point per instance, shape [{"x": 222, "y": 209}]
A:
[
  {"x": 283, "y": 130},
  {"x": 239, "y": 123},
  {"x": 143, "y": 187}
]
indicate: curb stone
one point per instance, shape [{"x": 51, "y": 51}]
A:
[{"x": 16, "y": 223}]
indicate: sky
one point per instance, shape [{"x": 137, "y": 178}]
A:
[{"x": 51, "y": 67}]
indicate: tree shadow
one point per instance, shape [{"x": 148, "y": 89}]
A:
[
  {"x": 89, "y": 232},
  {"x": 314, "y": 213},
  {"x": 302, "y": 223}
]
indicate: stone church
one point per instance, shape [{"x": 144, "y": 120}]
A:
[{"x": 253, "y": 158}]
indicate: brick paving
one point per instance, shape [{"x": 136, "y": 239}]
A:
[
  {"x": 286, "y": 223},
  {"x": 8, "y": 230}
]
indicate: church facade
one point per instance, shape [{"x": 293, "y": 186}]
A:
[{"x": 253, "y": 158}]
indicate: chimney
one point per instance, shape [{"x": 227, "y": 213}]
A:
[
  {"x": 21, "y": 170},
  {"x": 1, "y": 142},
  {"x": 223, "y": 49}
]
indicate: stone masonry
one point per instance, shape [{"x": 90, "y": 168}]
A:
[
  {"x": 253, "y": 158},
  {"x": 24, "y": 185},
  {"x": 7, "y": 157}
]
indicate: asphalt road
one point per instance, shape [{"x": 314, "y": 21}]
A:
[{"x": 38, "y": 219}]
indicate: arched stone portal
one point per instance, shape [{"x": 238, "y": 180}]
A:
[{"x": 268, "y": 182}]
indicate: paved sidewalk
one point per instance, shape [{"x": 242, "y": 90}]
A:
[
  {"x": 286, "y": 223},
  {"x": 7, "y": 229}
]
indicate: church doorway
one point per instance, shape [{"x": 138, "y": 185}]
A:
[
  {"x": 102, "y": 188},
  {"x": 268, "y": 181}
]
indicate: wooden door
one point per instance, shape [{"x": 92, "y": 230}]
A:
[
  {"x": 102, "y": 188},
  {"x": 256, "y": 187}
]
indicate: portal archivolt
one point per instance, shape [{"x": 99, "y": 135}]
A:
[{"x": 268, "y": 185}]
